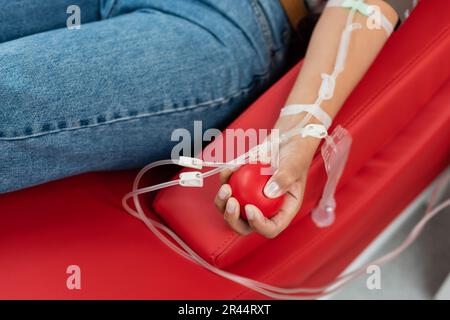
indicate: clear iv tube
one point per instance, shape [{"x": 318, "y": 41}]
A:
[
  {"x": 268, "y": 290},
  {"x": 180, "y": 247}
]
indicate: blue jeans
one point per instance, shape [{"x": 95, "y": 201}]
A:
[{"x": 108, "y": 96}]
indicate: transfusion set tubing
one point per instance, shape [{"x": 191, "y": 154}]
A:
[
  {"x": 266, "y": 289},
  {"x": 180, "y": 247}
]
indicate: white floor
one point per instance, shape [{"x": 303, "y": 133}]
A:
[{"x": 420, "y": 271}]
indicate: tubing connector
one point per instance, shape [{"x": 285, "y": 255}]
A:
[{"x": 191, "y": 179}]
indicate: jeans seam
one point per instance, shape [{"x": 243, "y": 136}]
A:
[
  {"x": 111, "y": 10},
  {"x": 263, "y": 23},
  {"x": 218, "y": 101}
]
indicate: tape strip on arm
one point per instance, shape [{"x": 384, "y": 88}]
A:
[
  {"x": 364, "y": 9},
  {"x": 336, "y": 147},
  {"x": 313, "y": 109}
]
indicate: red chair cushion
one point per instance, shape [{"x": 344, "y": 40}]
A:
[
  {"x": 80, "y": 220},
  {"x": 411, "y": 67}
]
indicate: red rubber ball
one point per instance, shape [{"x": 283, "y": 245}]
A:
[{"x": 247, "y": 185}]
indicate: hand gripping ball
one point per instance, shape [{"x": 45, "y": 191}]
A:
[{"x": 247, "y": 185}]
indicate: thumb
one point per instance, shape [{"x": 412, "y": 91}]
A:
[
  {"x": 294, "y": 159},
  {"x": 280, "y": 182}
]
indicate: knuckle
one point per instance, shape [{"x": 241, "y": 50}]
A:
[
  {"x": 244, "y": 232},
  {"x": 218, "y": 203},
  {"x": 286, "y": 178},
  {"x": 224, "y": 175},
  {"x": 262, "y": 231},
  {"x": 271, "y": 235},
  {"x": 229, "y": 217}
]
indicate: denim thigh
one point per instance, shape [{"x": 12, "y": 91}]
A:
[
  {"x": 109, "y": 95},
  {"x": 19, "y": 18}
]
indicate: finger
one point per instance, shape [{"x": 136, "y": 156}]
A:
[
  {"x": 222, "y": 197},
  {"x": 232, "y": 217},
  {"x": 282, "y": 180},
  {"x": 291, "y": 168},
  {"x": 226, "y": 173},
  {"x": 291, "y": 205},
  {"x": 261, "y": 224},
  {"x": 270, "y": 228},
  {"x": 261, "y": 152},
  {"x": 267, "y": 150}
]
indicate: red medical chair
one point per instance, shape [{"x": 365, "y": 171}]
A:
[{"x": 399, "y": 118}]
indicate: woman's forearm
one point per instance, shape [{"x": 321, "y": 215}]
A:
[
  {"x": 320, "y": 58},
  {"x": 295, "y": 154}
]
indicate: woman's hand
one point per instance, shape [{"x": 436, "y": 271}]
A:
[{"x": 295, "y": 157}]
